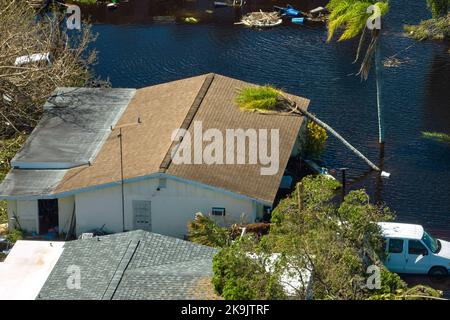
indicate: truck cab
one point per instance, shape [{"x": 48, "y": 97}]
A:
[{"x": 410, "y": 249}]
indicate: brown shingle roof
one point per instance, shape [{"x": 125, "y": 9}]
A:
[
  {"x": 218, "y": 110},
  {"x": 161, "y": 109},
  {"x": 166, "y": 107}
]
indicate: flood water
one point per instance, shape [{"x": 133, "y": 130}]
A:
[{"x": 135, "y": 51}]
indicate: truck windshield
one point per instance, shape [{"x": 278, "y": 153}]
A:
[{"x": 430, "y": 242}]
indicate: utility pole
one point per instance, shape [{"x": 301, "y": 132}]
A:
[
  {"x": 121, "y": 179},
  {"x": 120, "y": 136}
]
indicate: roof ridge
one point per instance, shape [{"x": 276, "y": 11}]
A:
[
  {"x": 123, "y": 264},
  {"x": 188, "y": 119}
]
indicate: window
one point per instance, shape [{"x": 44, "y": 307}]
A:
[
  {"x": 431, "y": 242},
  {"x": 416, "y": 247},
  {"x": 395, "y": 246},
  {"x": 218, "y": 212}
]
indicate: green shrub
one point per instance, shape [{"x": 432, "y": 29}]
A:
[
  {"x": 431, "y": 29},
  {"x": 14, "y": 235},
  {"x": 314, "y": 140},
  {"x": 238, "y": 277},
  {"x": 3, "y": 212},
  {"x": 203, "y": 230}
]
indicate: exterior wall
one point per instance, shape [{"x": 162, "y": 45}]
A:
[
  {"x": 65, "y": 212},
  {"x": 97, "y": 208},
  {"x": 12, "y": 210},
  {"x": 172, "y": 207},
  {"x": 27, "y": 213}
]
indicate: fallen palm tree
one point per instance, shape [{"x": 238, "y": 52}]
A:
[{"x": 268, "y": 100}]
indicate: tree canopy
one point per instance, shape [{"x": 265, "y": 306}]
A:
[
  {"x": 25, "y": 87},
  {"x": 312, "y": 234}
]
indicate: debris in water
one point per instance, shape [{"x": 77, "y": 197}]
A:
[
  {"x": 261, "y": 19},
  {"x": 191, "y": 20},
  {"x": 392, "y": 62}
]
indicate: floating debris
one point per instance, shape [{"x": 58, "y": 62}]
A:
[
  {"x": 261, "y": 19},
  {"x": 393, "y": 62},
  {"x": 229, "y": 3},
  {"x": 318, "y": 11},
  {"x": 112, "y": 5},
  {"x": 289, "y": 11},
  {"x": 191, "y": 20},
  {"x": 298, "y": 20},
  {"x": 319, "y": 14}
]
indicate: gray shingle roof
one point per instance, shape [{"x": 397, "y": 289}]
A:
[
  {"x": 132, "y": 265},
  {"x": 74, "y": 126}
]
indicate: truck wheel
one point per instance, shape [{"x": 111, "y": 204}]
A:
[{"x": 438, "y": 272}]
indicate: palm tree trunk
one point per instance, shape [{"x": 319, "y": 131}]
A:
[
  {"x": 378, "y": 75},
  {"x": 339, "y": 137}
]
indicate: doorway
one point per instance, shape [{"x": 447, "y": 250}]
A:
[
  {"x": 48, "y": 215},
  {"x": 142, "y": 215}
]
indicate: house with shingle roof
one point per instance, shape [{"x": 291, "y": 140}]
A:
[
  {"x": 135, "y": 265},
  {"x": 110, "y": 158}
]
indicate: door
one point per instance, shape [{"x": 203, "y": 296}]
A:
[
  {"x": 48, "y": 216},
  {"x": 395, "y": 260},
  {"x": 142, "y": 215},
  {"x": 418, "y": 257}
]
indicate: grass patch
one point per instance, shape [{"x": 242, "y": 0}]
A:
[
  {"x": 431, "y": 29},
  {"x": 260, "y": 99},
  {"x": 436, "y": 136}
]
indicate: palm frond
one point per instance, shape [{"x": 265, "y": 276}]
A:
[
  {"x": 260, "y": 99},
  {"x": 368, "y": 57},
  {"x": 360, "y": 43},
  {"x": 350, "y": 16}
]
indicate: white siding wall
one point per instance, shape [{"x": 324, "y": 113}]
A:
[
  {"x": 65, "y": 211},
  {"x": 12, "y": 210},
  {"x": 27, "y": 213},
  {"x": 172, "y": 207}
]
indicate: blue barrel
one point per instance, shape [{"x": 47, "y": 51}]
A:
[{"x": 298, "y": 20}]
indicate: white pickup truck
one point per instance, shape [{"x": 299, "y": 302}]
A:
[{"x": 410, "y": 249}]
